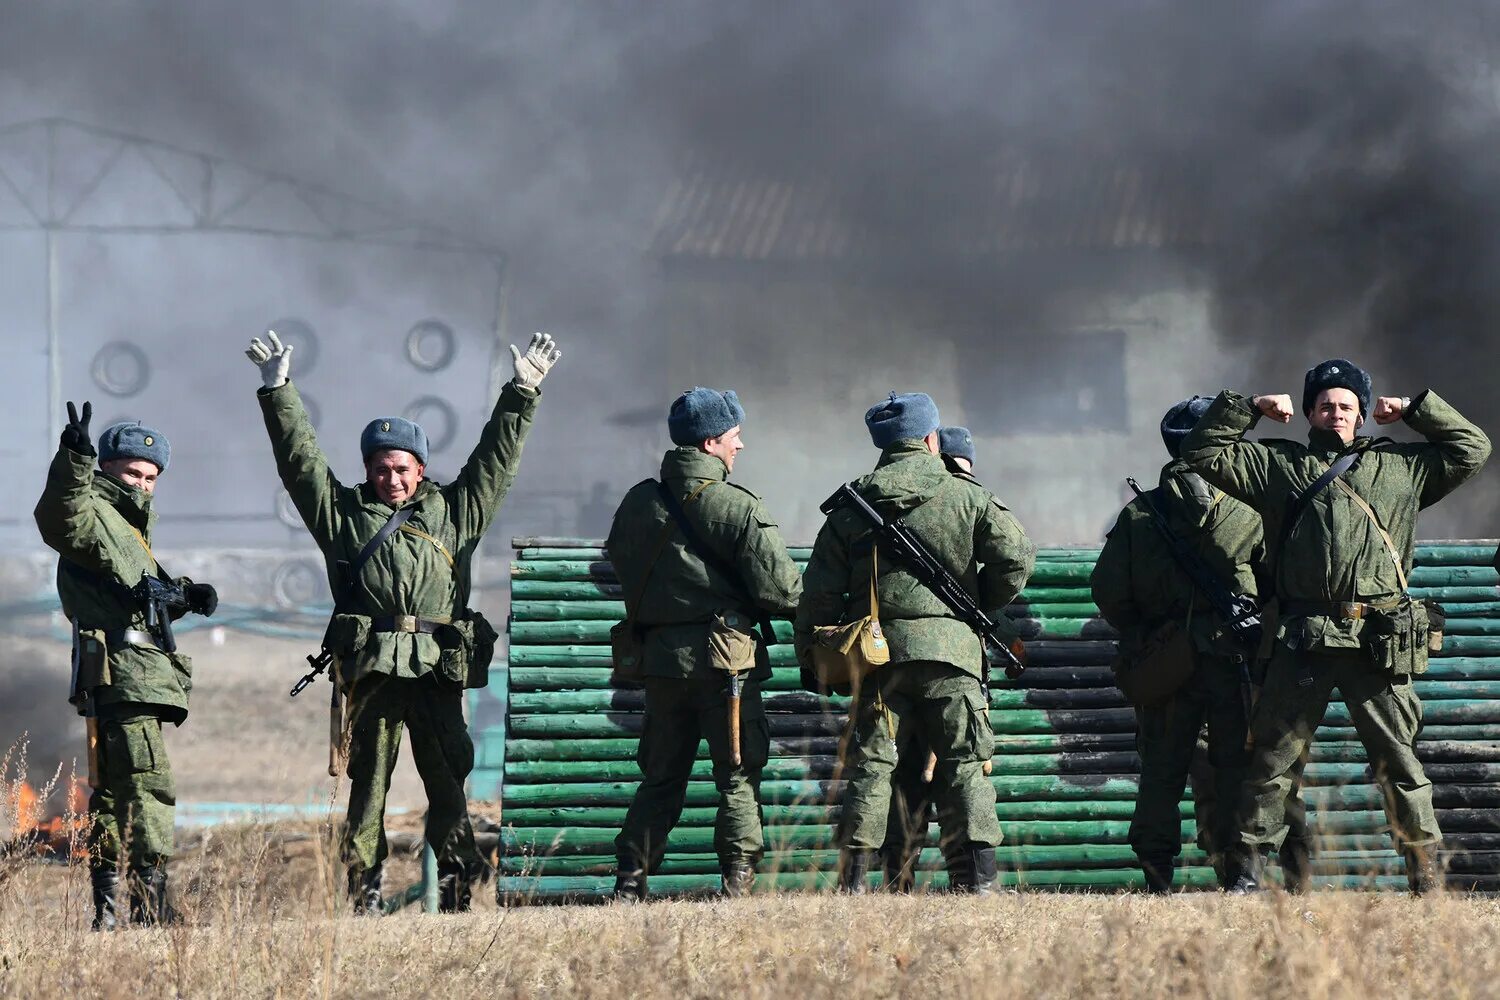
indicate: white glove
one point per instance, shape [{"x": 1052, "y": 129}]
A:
[
  {"x": 274, "y": 362},
  {"x": 541, "y": 354}
]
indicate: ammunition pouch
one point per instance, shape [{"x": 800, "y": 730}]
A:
[
  {"x": 1165, "y": 661},
  {"x": 1398, "y": 640},
  {"x": 731, "y": 644},
  {"x": 468, "y": 647}
]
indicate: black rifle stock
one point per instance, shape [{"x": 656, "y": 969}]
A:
[{"x": 932, "y": 574}]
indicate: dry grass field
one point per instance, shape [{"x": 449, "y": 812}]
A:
[
  {"x": 264, "y": 916},
  {"x": 260, "y": 926}
]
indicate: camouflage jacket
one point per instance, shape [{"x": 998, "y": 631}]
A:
[
  {"x": 1333, "y": 552},
  {"x": 1138, "y": 583},
  {"x": 103, "y": 527},
  {"x": 970, "y": 531},
  {"x": 677, "y": 595},
  {"x": 423, "y": 569}
]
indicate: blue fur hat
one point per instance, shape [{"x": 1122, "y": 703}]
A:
[
  {"x": 396, "y": 433},
  {"x": 132, "y": 439},
  {"x": 957, "y": 442},
  {"x": 1180, "y": 419},
  {"x": 700, "y": 414},
  {"x": 902, "y": 417},
  {"x": 1336, "y": 373}
]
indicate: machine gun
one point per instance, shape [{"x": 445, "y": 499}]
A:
[
  {"x": 932, "y": 574},
  {"x": 158, "y": 599}
]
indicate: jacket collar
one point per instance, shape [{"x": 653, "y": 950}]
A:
[
  {"x": 690, "y": 463},
  {"x": 132, "y": 504},
  {"x": 903, "y": 450},
  {"x": 368, "y": 498},
  {"x": 1328, "y": 444}
]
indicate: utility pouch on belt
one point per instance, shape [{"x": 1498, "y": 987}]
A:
[
  {"x": 843, "y": 655},
  {"x": 1398, "y": 639},
  {"x": 468, "y": 646},
  {"x": 347, "y": 634},
  {"x": 91, "y": 660},
  {"x": 731, "y": 644},
  {"x": 1166, "y": 661}
]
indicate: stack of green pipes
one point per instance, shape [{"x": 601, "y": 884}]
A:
[{"x": 1065, "y": 767}]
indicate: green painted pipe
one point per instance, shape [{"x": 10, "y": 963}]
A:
[
  {"x": 534, "y": 610},
  {"x": 799, "y": 554},
  {"x": 624, "y": 748}
]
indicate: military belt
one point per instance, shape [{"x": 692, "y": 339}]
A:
[
  {"x": 116, "y": 638},
  {"x": 1343, "y": 610},
  {"x": 410, "y": 624}
]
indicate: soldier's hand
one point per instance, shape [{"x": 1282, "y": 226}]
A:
[
  {"x": 531, "y": 367},
  {"x": 75, "y": 436},
  {"x": 1389, "y": 409},
  {"x": 1275, "y": 407},
  {"x": 274, "y": 361},
  {"x": 202, "y": 598}
]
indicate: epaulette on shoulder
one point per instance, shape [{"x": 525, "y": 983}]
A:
[
  {"x": 968, "y": 477},
  {"x": 748, "y": 492}
]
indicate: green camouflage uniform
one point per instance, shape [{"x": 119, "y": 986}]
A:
[
  {"x": 1333, "y": 553},
  {"x": 1139, "y": 585},
  {"x": 402, "y": 679},
  {"x": 685, "y": 698},
  {"x": 102, "y": 530},
  {"x": 932, "y": 684}
]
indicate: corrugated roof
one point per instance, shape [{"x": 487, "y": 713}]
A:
[{"x": 724, "y": 212}]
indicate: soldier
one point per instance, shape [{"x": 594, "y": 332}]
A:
[
  {"x": 932, "y": 683},
  {"x": 911, "y": 798},
  {"x": 127, "y": 676},
  {"x": 405, "y": 642},
  {"x": 1139, "y": 586},
  {"x": 1342, "y": 511},
  {"x": 699, "y": 559}
]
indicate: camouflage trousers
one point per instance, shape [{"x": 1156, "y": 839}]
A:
[
  {"x": 1166, "y": 737},
  {"x": 431, "y": 709},
  {"x": 1387, "y": 714},
  {"x": 131, "y": 810},
  {"x": 680, "y": 712},
  {"x": 943, "y": 705}
]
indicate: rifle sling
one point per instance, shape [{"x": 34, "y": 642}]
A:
[
  {"x": 713, "y": 560},
  {"x": 1204, "y": 578},
  {"x": 634, "y": 605},
  {"x": 1301, "y": 500},
  {"x": 351, "y": 570}
]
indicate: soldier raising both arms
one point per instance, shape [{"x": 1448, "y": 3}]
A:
[
  {"x": 404, "y": 640},
  {"x": 700, "y": 561},
  {"x": 128, "y": 677},
  {"x": 1340, "y": 514}
]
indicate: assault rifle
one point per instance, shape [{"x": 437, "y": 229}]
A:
[
  {"x": 157, "y": 599},
  {"x": 932, "y": 574}
]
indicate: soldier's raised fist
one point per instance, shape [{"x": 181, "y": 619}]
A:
[
  {"x": 274, "y": 361},
  {"x": 1389, "y": 409},
  {"x": 1276, "y": 407}
]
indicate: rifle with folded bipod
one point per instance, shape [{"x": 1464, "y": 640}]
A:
[{"x": 902, "y": 542}]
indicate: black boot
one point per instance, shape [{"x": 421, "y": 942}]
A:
[
  {"x": 455, "y": 893},
  {"x": 854, "y": 870},
  {"x": 148, "y": 898},
  {"x": 972, "y": 870},
  {"x": 1242, "y": 871},
  {"x": 1159, "y": 874},
  {"x": 900, "y": 867},
  {"x": 630, "y": 884},
  {"x": 364, "y": 891},
  {"x": 736, "y": 877},
  {"x": 106, "y": 884},
  {"x": 1422, "y": 875},
  {"x": 1296, "y": 866}
]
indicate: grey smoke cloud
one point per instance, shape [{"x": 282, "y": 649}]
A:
[{"x": 1338, "y": 155}]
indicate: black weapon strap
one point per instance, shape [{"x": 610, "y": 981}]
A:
[
  {"x": 712, "y": 559},
  {"x": 1192, "y": 564},
  {"x": 1300, "y": 500},
  {"x": 389, "y": 528}
]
